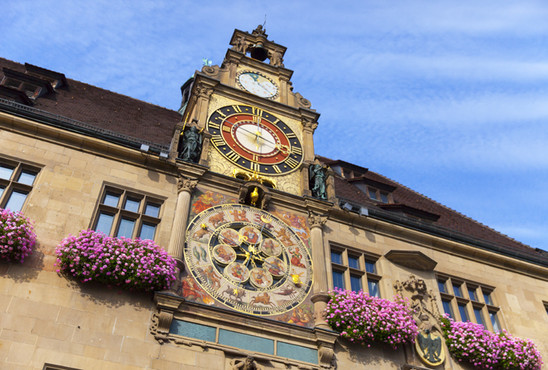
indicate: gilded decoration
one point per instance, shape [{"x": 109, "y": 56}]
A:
[
  {"x": 249, "y": 260},
  {"x": 429, "y": 342}
]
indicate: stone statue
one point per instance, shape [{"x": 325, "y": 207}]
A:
[
  {"x": 240, "y": 45},
  {"x": 276, "y": 59},
  {"x": 191, "y": 146},
  {"x": 318, "y": 175},
  {"x": 259, "y": 31},
  {"x": 247, "y": 363}
]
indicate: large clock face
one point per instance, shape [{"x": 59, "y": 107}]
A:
[
  {"x": 255, "y": 140},
  {"x": 258, "y": 84},
  {"x": 248, "y": 259}
]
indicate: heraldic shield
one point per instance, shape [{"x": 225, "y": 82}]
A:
[{"x": 429, "y": 347}]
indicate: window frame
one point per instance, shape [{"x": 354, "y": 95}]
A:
[
  {"x": 471, "y": 306},
  {"x": 364, "y": 276},
  {"x": 14, "y": 184},
  {"x": 119, "y": 213}
]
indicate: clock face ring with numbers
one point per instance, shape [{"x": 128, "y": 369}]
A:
[
  {"x": 248, "y": 259},
  {"x": 254, "y": 139},
  {"x": 258, "y": 84}
]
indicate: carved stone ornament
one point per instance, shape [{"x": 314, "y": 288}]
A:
[
  {"x": 429, "y": 342},
  {"x": 212, "y": 71},
  {"x": 186, "y": 184},
  {"x": 247, "y": 363},
  {"x": 204, "y": 92},
  {"x": 161, "y": 323},
  {"x": 309, "y": 125},
  {"x": 326, "y": 355},
  {"x": 241, "y": 45},
  {"x": 276, "y": 58},
  {"x": 259, "y": 31},
  {"x": 316, "y": 220},
  {"x": 305, "y": 103}
]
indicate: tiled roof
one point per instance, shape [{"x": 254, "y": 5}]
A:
[
  {"x": 106, "y": 110},
  {"x": 448, "y": 218}
]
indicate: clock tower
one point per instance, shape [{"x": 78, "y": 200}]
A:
[
  {"x": 255, "y": 126},
  {"x": 251, "y": 207}
]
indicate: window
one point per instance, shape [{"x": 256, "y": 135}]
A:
[
  {"x": 355, "y": 271},
  {"x": 378, "y": 195},
  {"x": 468, "y": 308},
  {"x": 16, "y": 181},
  {"x": 127, "y": 214}
]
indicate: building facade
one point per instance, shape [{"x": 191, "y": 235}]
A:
[{"x": 262, "y": 229}]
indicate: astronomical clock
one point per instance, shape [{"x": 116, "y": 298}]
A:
[{"x": 248, "y": 259}]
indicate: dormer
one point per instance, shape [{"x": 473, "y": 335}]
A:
[{"x": 27, "y": 87}]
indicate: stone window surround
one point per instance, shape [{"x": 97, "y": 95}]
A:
[
  {"x": 361, "y": 272},
  {"x": 119, "y": 213},
  {"x": 487, "y": 309},
  {"x": 14, "y": 183}
]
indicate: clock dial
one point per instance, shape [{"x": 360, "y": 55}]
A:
[
  {"x": 248, "y": 259},
  {"x": 258, "y": 84},
  {"x": 255, "y": 140}
]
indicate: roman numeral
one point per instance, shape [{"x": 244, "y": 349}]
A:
[
  {"x": 237, "y": 108},
  {"x": 214, "y": 125},
  {"x": 233, "y": 156},
  {"x": 217, "y": 140},
  {"x": 277, "y": 169},
  {"x": 297, "y": 150},
  {"x": 291, "y": 135},
  {"x": 221, "y": 114},
  {"x": 256, "y": 111},
  {"x": 255, "y": 166},
  {"x": 291, "y": 162},
  {"x": 276, "y": 122}
]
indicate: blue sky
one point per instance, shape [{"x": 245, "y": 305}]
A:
[{"x": 449, "y": 98}]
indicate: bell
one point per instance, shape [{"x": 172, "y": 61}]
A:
[{"x": 258, "y": 52}]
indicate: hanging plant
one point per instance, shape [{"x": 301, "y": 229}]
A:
[
  {"x": 17, "y": 237},
  {"x": 472, "y": 343},
  {"x": 127, "y": 263},
  {"x": 363, "y": 319}
]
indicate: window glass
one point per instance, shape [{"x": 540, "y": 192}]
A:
[
  {"x": 111, "y": 200},
  {"x": 353, "y": 262},
  {"x": 447, "y": 307},
  {"x": 16, "y": 201},
  {"x": 456, "y": 290},
  {"x": 152, "y": 210},
  {"x": 126, "y": 228},
  {"x": 338, "y": 279},
  {"x": 487, "y": 297},
  {"x": 384, "y": 197},
  {"x": 26, "y": 178},
  {"x": 479, "y": 316},
  {"x": 463, "y": 312},
  {"x": 132, "y": 205},
  {"x": 104, "y": 223},
  {"x": 373, "y": 286},
  {"x": 5, "y": 172},
  {"x": 494, "y": 321},
  {"x": 372, "y": 193},
  {"x": 356, "y": 283},
  {"x": 336, "y": 257},
  {"x": 441, "y": 286},
  {"x": 147, "y": 231},
  {"x": 472, "y": 294},
  {"x": 370, "y": 266},
  {"x": 1, "y": 190}
]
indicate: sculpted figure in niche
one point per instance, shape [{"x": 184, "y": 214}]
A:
[
  {"x": 318, "y": 176},
  {"x": 191, "y": 146},
  {"x": 276, "y": 59},
  {"x": 240, "y": 45}
]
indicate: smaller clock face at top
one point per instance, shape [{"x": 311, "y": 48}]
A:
[{"x": 258, "y": 84}]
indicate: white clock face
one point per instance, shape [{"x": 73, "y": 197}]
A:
[
  {"x": 257, "y": 84},
  {"x": 256, "y": 139}
]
